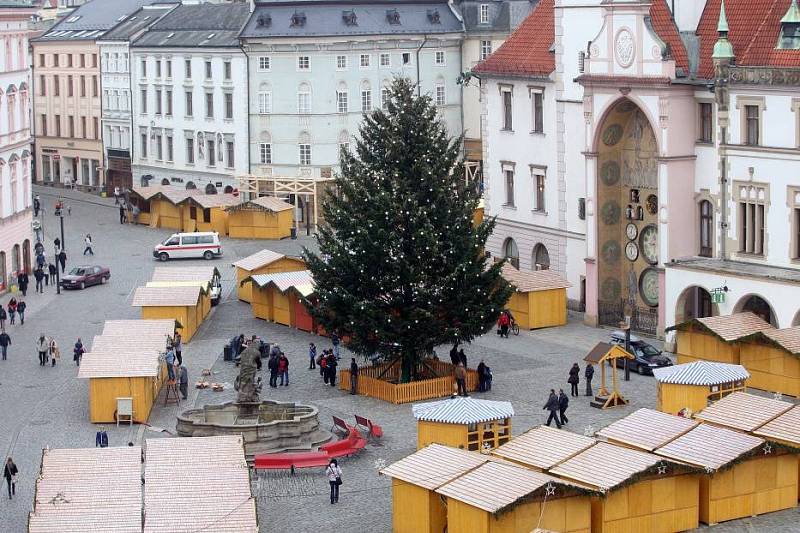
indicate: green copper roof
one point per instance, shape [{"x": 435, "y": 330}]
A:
[
  {"x": 723, "y": 49},
  {"x": 722, "y": 25},
  {"x": 793, "y": 14}
]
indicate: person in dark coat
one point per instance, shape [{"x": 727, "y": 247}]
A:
[
  {"x": 481, "y": 376},
  {"x": 330, "y": 368},
  {"x": 5, "y": 342},
  {"x": 353, "y": 376},
  {"x": 62, "y": 260},
  {"x": 272, "y": 365},
  {"x": 462, "y": 358},
  {"x": 10, "y": 473},
  {"x": 77, "y": 352},
  {"x": 12, "y": 310},
  {"x": 552, "y": 406},
  {"x": 588, "y": 374},
  {"x": 52, "y": 270},
  {"x": 39, "y": 275},
  {"x": 183, "y": 381},
  {"x": 3, "y": 317},
  {"x": 22, "y": 280},
  {"x": 21, "y": 312},
  {"x": 563, "y": 403},
  {"x": 454, "y": 358},
  {"x": 574, "y": 379}
]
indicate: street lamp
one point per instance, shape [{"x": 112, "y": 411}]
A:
[{"x": 55, "y": 246}]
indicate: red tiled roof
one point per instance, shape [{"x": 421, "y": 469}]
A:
[
  {"x": 527, "y": 50},
  {"x": 664, "y": 26},
  {"x": 754, "y": 27}
]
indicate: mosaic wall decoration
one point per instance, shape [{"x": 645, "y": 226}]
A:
[
  {"x": 612, "y": 134},
  {"x": 609, "y": 173},
  {"x": 610, "y": 252},
  {"x": 610, "y": 212},
  {"x": 610, "y": 289}
]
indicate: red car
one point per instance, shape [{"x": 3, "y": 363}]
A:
[{"x": 82, "y": 276}]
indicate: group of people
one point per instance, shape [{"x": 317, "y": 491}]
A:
[
  {"x": 278, "y": 365},
  {"x": 48, "y": 350},
  {"x": 327, "y": 363},
  {"x": 176, "y": 371},
  {"x": 557, "y": 404}
]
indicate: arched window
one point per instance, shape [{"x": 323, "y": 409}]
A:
[
  {"x": 541, "y": 258},
  {"x": 342, "y": 98},
  {"x": 511, "y": 252},
  {"x": 210, "y": 189},
  {"x": 265, "y": 99},
  {"x": 3, "y": 278},
  {"x": 165, "y": 181},
  {"x": 304, "y": 99},
  {"x": 366, "y": 97},
  {"x": 304, "y": 149},
  {"x": 344, "y": 141},
  {"x": 15, "y": 264},
  {"x": 706, "y": 228},
  {"x": 190, "y": 185},
  {"x": 228, "y": 189}
]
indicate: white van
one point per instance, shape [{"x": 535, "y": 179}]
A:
[{"x": 189, "y": 245}]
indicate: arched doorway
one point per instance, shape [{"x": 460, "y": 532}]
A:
[
  {"x": 694, "y": 302},
  {"x": 627, "y": 218},
  {"x": 3, "y": 273},
  {"x": 511, "y": 252},
  {"x": 210, "y": 189},
  {"x": 757, "y": 305},
  {"x": 165, "y": 181},
  {"x": 541, "y": 257},
  {"x": 190, "y": 185},
  {"x": 15, "y": 264},
  {"x": 228, "y": 189},
  {"x": 26, "y": 255}
]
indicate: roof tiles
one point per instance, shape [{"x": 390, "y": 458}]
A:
[
  {"x": 701, "y": 373},
  {"x": 539, "y": 280},
  {"x": 743, "y": 411},
  {"x": 165, "y": 296},
  {"x": 647, "y": 429},
  {"x": 258, "y": 260},
  {"x": 283, "y": 280},
  {"x": 710, "y": 446},
  {"x": 184, "y": 273},
  {"x": 433, "y": 466},
  {"x": 544, "y": 447},
  {"x": 462, "y": 410},
  {"x": 731, "y": 327},
  {"x": 785, "y": 428},
  {"x": 606, "y": 466}
]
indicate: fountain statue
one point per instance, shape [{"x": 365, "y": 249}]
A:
[{"x": 246, "y": 383}]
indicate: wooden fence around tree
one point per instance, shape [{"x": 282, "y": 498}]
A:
[{"x": 435, "y": 380}]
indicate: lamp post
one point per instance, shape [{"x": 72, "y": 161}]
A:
[{"x": 55, "y": 246}]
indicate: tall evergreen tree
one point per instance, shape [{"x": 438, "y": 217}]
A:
[{"x": 401, "y": 267}]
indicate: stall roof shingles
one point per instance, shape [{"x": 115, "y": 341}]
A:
[
  {"x": 540, "y": 280},
  {"x": 160, "y": 326},
  {"x": 784, "y": 428},
  {"x": 210, "y": 201},
  {"x": 732, "y": 327},
  {"x": 119, "y": 363},
  {"x": 283, "y": 280},
  {"x": 647, "y": 429},
  {"x": 461, "y": 410},
  {"x": 605, "y": 466},
  {"x": 544, "y": 447},
  {"x": 433, "y": 466},
  {"x": 87, "y": 490},
  {"x": 699, "y": 373},
  {"x": 198, "y": 483},
  {"x": 787, "y": 338},
  {"x": 165, "y": 296},
  {"x": 184, "y": 273},
  {"x": 258, "y": 260},
  {"x": 710, "y": 446},
  {"x": 743, "y": 411}
]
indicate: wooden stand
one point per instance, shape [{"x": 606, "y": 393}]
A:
[
  {"x": 607, "y": 353},
  {"x": 172, "y": 395}
]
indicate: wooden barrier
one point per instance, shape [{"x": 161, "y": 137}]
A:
[{"x": 388, "y": 389}]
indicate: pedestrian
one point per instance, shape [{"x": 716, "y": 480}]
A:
[
  {"x": 52, "y": 270},
  {"x": 312, "y": 356},
  {"x": 39, "y": 275},
  {"x": 10, "y": 473},
  {"x": 121, "y": 214},
  {"x": 481, "y": 376},
  {"x": 40, "y": 260},
  {"x": 183, "y": 381},
  {"x": 334, "y": 474},
  {"x": 588, "y": 374},
  {"x": 461, "y": 379},
  {"x": 12, "y": 310},
  {"x": 22, "y": 281},
  {"x": 454, "y": 355},
  {"x": 77, "y": 352},
  {"x": 116, "y": 195},
  {"x": 335, "y": 342},
  {"x": 56, "y": 241},
  {"x": 462, "y": 358},
  {"x": 353, "y": 376},
  {"x": 53, "y": 352},
  {"x": 41, "y": 348},
  {"x": 574, "y": 379},
  {"x": 62, "y": 260},
  {"x": 272, "y": 365},
  {"x": 552, "y": 406},
  {"x": 88, "y": 241},
  {"x": 503, "y": 323},
  {"x": 5, "y": 342},
  {"x": 563, "y": 403},
  {"x": 331, "y": 369},
  {"x": 283, "y": 369},
  {"x": 3, "y": 317},
  {"x": 323, "y": 364},
  {"x": 37, "y": 206},
  {"x": 21, "y": 312},
  {"x": 177, "y": 345},
  {"x": 170, "y": 359}
]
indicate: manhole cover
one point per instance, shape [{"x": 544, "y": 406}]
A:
[{"x": 39, "y": 422}]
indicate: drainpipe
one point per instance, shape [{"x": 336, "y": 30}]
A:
[
  {"x": 723, "y": 193},
  {"x": 419, "y": 49},
  {"x": 247, "y": 72}
]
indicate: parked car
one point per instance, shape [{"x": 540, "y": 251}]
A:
[
  {"x": 647, "y": 356},
  {"x": 81, "y": 277},
  {"x": 185, "y": 245}
]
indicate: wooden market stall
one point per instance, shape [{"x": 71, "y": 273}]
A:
[
  {"x": 714, "y": 338},
  {"x": 84, "y": 490},
  {"x": 263, "y": 262},
  {"x": 463, "y": 422},
  {"x": 270, "y": 298},
  {"x": 415, "y": 479},
  {"x": 265, "y": 217},
  {"x": 205, "y": 276},
  {"x": 542, "y": 447},
  {"x": 300, "y": 297},
  {"x": 743, "y": 411},
  {"x": 182, "y": 304},
  {"x": 539, "y": 299},
  {"x": 206, "y": 212},
  {"x": 646, "y": 429},
  {"x": 499, "y": 497},
  {"x": 205, "y": 293},
  {"x": 689, "y": 387},
  {"x": 133, "y": 327},
  {"x": 159, "y": 205},
  {"x": 602, "y": 355},
  {"x": 784, "y": 430},
  {"x": 198, "y": 483},
  {"x": 772, "y": 357}
]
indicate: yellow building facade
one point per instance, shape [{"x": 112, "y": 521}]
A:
[
  {"x": 265, "y": 217},
  {"x": 691, "y": 386},
  {"x": 263, "y": 262},
  {"x": 539, "y": 299}
]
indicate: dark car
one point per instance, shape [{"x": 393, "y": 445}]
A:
[
  {"x": 82, "y": 276},
  {"x": 647, "y": 356}
]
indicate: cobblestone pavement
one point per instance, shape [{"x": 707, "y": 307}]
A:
[{"x": 42, "y": 407}]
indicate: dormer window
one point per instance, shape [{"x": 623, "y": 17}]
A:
[
  {"x": 298, "y": 19},
  {"x": 349, "y": 18},
  {"x": 433, "y": 16},
  {"x": 393, "y": 16},
  {"x": 265, "y": 21},
  {"x": 790, "y": 29}
]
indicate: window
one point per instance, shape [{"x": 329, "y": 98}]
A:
[
  {"x": 484, "y": 14},
  {"x": 385, "y": 60},
  {"x": 229, "y": 157},
  {"x": 264, "y": 63},
  {"x": 209, "y": 105},
  {"x": 158, "y": 68},
  {"x": 143, "y": 101},
  {"x": 304, "y": 99},
  {"x": 227, "y": 72},
  {"x": 305, "y": 154},
  {"x": 55, "y": 60},
  {"x": 206, "y": 218},
  {"x": 363, "y": 60},
  {"x": 366, "y": 100},
  {"x": 228, "y": 105},
  {"x": 143, "y": 67},
  {"x": 440, "y": 94},
  {"x": 751, "y": 117},
  {"x": 303, "y": 63},
  {"x": 508, "y": 174},
  {"x": 208, "y": 69},
  {"x": 71, "y": 126},
  {"x": 406, "y": 58},
  {"x": 752, "y": 201},
  {"x": 541, "y": 257},
  {"x": 169, "y": 68},
  {"x": 41, "y": 64},
  {"x": 265, "y": 153},
  {"x": 486, "y": 49},
  {"x": 143, "y": 146},
  {"x": 341, "y": 62},
  {"x": 537, "y": 174},
  {"x": 264, "y": 103},
  {"x": 84, "y": 129},
  {"x": 170, "y": 152},
  {"x": 56, "y": 86},
  {"x": 159, "y": 148},
  {"x": 83, "y": 60},
  {"x": 187, "y": 68},
  {"x": 58, "y": 125},
  {"x": 94, "y": 60},
  {"x": 69, "y": 85},
  {"x": 211, "y": 148},
  {"x": 169, "y": 102},
  {"x": 438, "y": 58},
  {"x": 44, "y": 125},
  {"x": 69, "y": 60},
  {"x": 158, "y": 101},
  {"x": 42, "y": 85},
  {"x": 511, "y": 252},
  {"x": 505, "y": 94},
  {"x": 537, "y": 113},
  {"x": 796, "y": 232},
  {"x": 188, "y": 103},
  {"x": 190, "y": 150},
  {"x": 341, "y": 101},
  {"x": 706, "y": 124},
  {"x": 706, "y": 227},
  {"x": 83, "y": 86},
  {"x": 385, "y": 98}
]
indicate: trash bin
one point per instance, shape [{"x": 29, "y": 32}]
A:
[
  {"x": 293, "y": 233},
  {"x": 227, "y": 353}
]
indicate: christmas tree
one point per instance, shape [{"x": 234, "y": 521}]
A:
[{"x": 401, "y": 267}]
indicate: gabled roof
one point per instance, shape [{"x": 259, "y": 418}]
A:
[
  {"x": 165, "y": 296},
  {"x": 543, "y": 447},
  {"x": 664, "y": 25},
  {"x": 203, "y": 25},
  {"x": 785, "y": 428},
  {"x": 158, "y": 326},
  {"x": 787, "y": 338},
  {"x": 260, "y": 259},
  {"x": 173, "y": 194},
  {"x": 743, "y": 411},
  {"x": 282, "y": 280},
  {"x": 462, "y": 410},
  {"x": 729, "y": 328},
  {"x": 433, "y": 466},
  {"x": 710, "y": 446},
  {"x": 264, "y": 203},
  {"x": 207, "y": 201},
  {"x": 539, "y": 280},
  {"x": 184, "y": 273},
  {"x": 114, "y": 362},
  {"x": 701, "y": 373},
  {"x": 646, "y": 429}
]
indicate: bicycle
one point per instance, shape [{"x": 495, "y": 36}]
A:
[{"x": 514, "y": 327}]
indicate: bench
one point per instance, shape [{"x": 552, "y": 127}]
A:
[
  {"x": 340, "y": 425},
  {"x": 353, "y": 443},
  {"x": 372, "y": 430},
  {"x": 282, "y": 461}
]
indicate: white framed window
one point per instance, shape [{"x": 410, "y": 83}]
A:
[
  {"x": 341, "y": 62},
  {"x": 264, "y": 103},
  {"x": 363, "y": 60},
  {"x": 264, "y": 63},
  {"x": 385, "y": 98},
  {"x": 169, "y": 68},
  {"x": 143, "y": 145},
  {"x": 158, "y": 102},
  {"x": 405, "y": 58},
  {"x": 507, "y": 101},
  {"x": 158, "y": 68},
  {"x": 170, "y": 150},
  {"x": 753, "y": 200},
  {"x": 366, "y": 100},
  {"x": 211, "y": 149},
  {"x": 385, "y": 60},
  {"x": 484, "y": 14},
  {"x": 143, "y": 101},
  {"x": 209, "y": 72},
  {"x": 341, "y": 101},
  {"x": 304, "y": 99},
  {"x": 538, "y": 179},
  {"x": 305, "y": 153},
  {"x": 227, "y": 70},
  {"x": 508, "y": 175},
  {"x": 230, "y": 154},
  {"x": 143, "y": 68},
  {"x": 303, "y": 63},
  {"x": 486, "y": 49},
  {"x": 537, "y": 109},
  {"x": 159, "y": 147},
  {"x": 265, "y": 153},
  {"x": 439, "y": 58},
  {"x": 440, "y": 94}
]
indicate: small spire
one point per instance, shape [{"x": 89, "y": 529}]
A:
[
  {"x": 792, "y": 15},
  {"x": 723, "y": 49},
  {"x": 722, "y": 25}
]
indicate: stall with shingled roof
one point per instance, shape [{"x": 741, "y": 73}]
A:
[
  {"x": 714, "y": 338},
  {"x": 784, "y": 430},
  {"x": 265, "y": 217},
  {"x": 182, "y": 304},
  {"x": 687, "y": 388},
  {"x": 158, "y": 205},
  {"x": 270, "y": 297},
  {"x": 772, "y": 356},
  {"x": 542, "y": 447},
  {"x": 539, "y": 299},
  {"x": 207, "y": 212},
  {"x": 463, "y": 422},
  {"x": 263, "y": 262},
  {"x": 602, "y": 354}
]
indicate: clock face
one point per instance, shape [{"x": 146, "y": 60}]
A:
[
  {"x": 631, "y": 231},
  {"x": 648, "y": 243},
  {"x": 631, "y": 251},
  {"x": 648, "y": 287}
]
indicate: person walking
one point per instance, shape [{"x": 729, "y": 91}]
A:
[
  {"x": 335, "y": 341},
  {"x": 563, "y": 403},
  {"x": 312, "y": 356},
  {"x": 552, "y": 406},
  {"x": 503, "y": 322},
  {"x": 52, "y": 270},
  {"x": 574, "y": 379},
  {"x": 21, "y": 306},
  {"x": 454, "y": 359},
  {"x": 461, "y": 379},
  {"x": 272, "y": 366},
  {"x": 10, "y": 472},
  {"x": 3, "y": 317},
  {"x": 62, "y": 260},
  {"x": 12, "y": 310},
  {"x": 121, "y": 214},
  {"x": 88, "y": 241},
  {"x": 353, "y": 376},
  {"x": 37, "y": 206},
  {"x": 177, "y": 345},
  {"x": 42, "y": 347},
  {"x": 77, "y": 352},
  {"x": 53, "y": 352},
  {"x": 183, "y": 381},
  {"x": 5, "y": 342},
  {"x": 323, "y": 364},
  {"x": 481, "y": 376},
  {"x": 588, "y": 374},
  {"x": 334, "y": 474},
  {"x": 170, "y": 359},
  {"x": 283, "y": 369},
  {"x": 39, "y": 275},
  {"x": 116, "y": 195},
  {"x": 22, "y": 281},
  {"x": 331, "y": 369}
]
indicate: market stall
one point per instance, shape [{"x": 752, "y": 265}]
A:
[
  {"x": 265, "y": 217},
  {"x": 263, "y": 262}
]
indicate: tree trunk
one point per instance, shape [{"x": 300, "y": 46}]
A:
[{"x": 409, "y": 361}]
